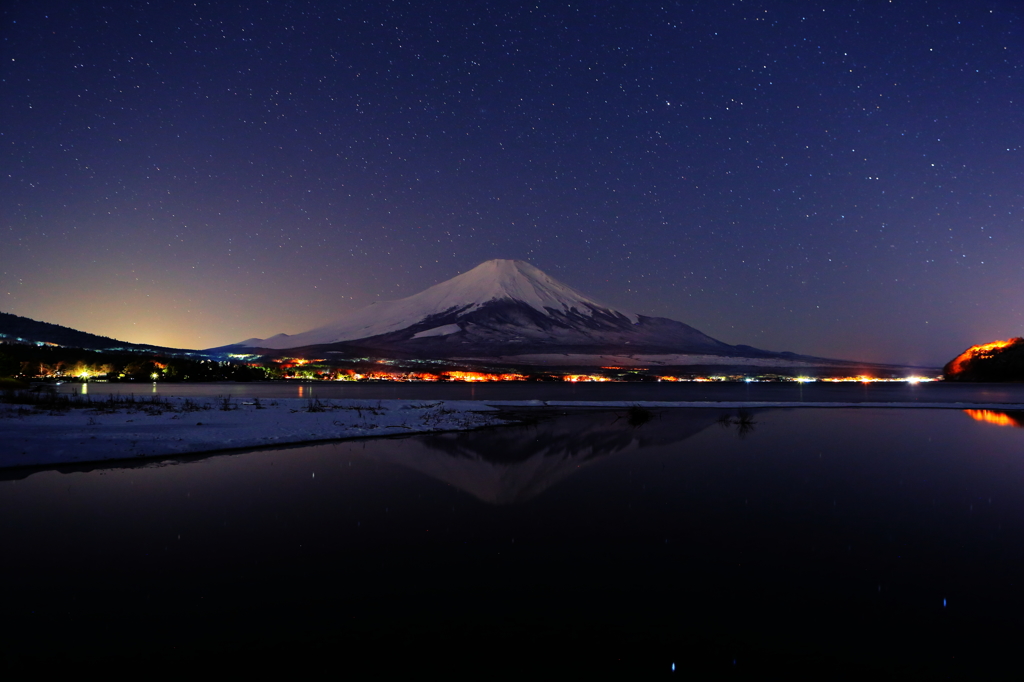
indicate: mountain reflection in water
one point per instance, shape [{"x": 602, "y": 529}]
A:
[
  {"x": 511, "y": 465},
  {"x": 998, "y": 417},
  {"x": 844, "y": 543}
]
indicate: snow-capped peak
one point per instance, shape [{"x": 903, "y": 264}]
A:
[
  {"x": 500, "y": 279},
  {"x": 493, "y": 280}
]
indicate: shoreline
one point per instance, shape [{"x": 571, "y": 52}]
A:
[
  {"x": 178, "y": 426},
  {"x": 182, "y": 426}
]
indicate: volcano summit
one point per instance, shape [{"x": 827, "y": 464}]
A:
[{"x": 510, "y": 311}]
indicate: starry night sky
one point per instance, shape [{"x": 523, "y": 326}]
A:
[{"x": 843, "y": 179}]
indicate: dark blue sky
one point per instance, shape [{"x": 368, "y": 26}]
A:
[{"x": 837, "y": 178}]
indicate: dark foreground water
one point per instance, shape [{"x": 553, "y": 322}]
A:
[{"x": 817, "y": 543}]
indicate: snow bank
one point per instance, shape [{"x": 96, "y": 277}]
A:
[{"x": 177, "y": 426}]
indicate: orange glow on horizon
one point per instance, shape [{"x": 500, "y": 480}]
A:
[{"x": 980, "y": 351}]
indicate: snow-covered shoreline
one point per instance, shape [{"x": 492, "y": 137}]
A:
[
  {"x": 175, "y": 426},
  {"x": 181, "y": 426}
]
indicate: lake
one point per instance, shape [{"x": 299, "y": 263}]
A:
[
  {"x": 931, "y": 392},
  {"x": 812, "y": 542}
]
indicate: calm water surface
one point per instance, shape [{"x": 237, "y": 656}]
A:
[
  {"x": 813, "y": 542},
  {"x": 683, "y": 391}
]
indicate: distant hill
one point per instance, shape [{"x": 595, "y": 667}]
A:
[
  {"x": 17, "y": 329},
  {"x": 995, "y": 361}
]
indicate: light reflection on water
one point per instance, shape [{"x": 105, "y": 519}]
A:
[
  {"x": 835, "y": 533},
  {"x": 998, "y": 417},
  {"x": 513, "y": 465}
]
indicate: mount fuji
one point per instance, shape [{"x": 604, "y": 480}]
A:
[{"x": 510, "y": 310}]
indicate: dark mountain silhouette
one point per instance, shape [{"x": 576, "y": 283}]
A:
[
  {"x": 995, "y": 361},
  {"x": 17, "y": 329}
]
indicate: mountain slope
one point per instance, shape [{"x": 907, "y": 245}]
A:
[
  {"x": 488, "y": 283},
  {"x": 994, "y": 361},
  {"x": 502, "y": 308},
  {"x": 17, "y": 329}
]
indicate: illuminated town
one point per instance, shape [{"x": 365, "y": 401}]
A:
[
  {"x": 51, "y": 362},
  {"x": 295, "y": 369}
]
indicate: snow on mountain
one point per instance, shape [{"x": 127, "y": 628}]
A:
[
  {"x": 496, "y": 280},
  {"x": 443, "y": 330},
  {"x": 510, "y": 312}
]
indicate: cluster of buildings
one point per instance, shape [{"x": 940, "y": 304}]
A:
[{"x": 306, "y": 371}]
